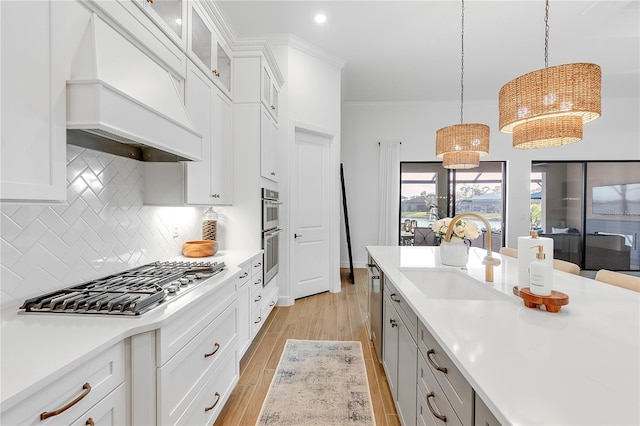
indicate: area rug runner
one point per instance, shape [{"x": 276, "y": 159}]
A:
[{"x": 319, "y": 382}]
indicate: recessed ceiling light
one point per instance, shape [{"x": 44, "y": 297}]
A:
[{"x": 320, "y": 18}]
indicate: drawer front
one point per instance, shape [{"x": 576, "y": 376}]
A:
[
  {"x": 206, "y": 404},
  {"x": 183, "y": 372},
  {"x": 111, "y": 411},
  {"x": 458, "y": 391},
  {"x": 245, "y": 274},
  {"x": 103, "y": 374},
  {"x": 431, "y": 399},
  {"x": 185, "y": 327},
  {"x": 483, "y": 416},
  {"x": 256, "y": 265},
  {"x": 405, "y": 312}
]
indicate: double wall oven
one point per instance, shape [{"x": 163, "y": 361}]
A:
[{"x": 270, "y": 232}]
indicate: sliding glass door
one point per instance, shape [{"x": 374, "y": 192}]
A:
[
  {"x": 428, "y": 192},
  {"x": 591, "y": 210}
]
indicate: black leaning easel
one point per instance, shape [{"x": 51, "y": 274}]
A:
[{"x": 346, "y": 225}]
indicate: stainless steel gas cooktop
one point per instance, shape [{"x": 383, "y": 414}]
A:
[{"x": 130, "y": 293}]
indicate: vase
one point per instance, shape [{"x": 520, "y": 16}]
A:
[{"x": 454, "y": 252}]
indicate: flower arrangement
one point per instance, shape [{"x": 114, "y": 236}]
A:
[{"x": 463, "y": 229}]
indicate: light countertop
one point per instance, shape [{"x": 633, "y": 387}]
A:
[
  {"x": 577, "y": 367},
  {"x": 37, "y": 349}
]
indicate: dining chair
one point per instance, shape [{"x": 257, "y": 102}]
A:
[
  {"x": 508, "y": 251},
  {"x": 423, "y": 236},
  {"x": 618, "y": 279},
  {"x": 563, "y": 265}
]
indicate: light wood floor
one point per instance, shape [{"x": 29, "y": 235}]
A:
[{"x": 326, "y": 316}]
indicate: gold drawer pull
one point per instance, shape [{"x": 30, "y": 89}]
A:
[
  {"x": 392, "y": 297},
  {"x": 89, "y": 422},
  {"x": 47, "y": 414},
  {"x": 217, "y": 395},
  {"x": 258, "y": 299},
  {"x": 259, "y": 281},
  {"x": 439, "y": 416},
  {"x": 245, "y": 275},
  {"x": 259, "y": 319},
  {"x": 433, "y": 364},
  {"x": 272, "y": 303},
  {"x": 217, "y": 345},
  {"x": 257, "y": 265}
]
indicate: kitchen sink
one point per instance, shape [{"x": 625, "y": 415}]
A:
[{"x": 449, "y": 284}]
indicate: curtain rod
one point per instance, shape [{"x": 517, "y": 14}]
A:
[{"x": 398, "y": 142}]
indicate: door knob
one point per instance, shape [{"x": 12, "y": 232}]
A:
[{"x": 297, "y": 235}]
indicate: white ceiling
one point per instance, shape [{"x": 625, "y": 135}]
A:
[{"x": 411, "y": 50}]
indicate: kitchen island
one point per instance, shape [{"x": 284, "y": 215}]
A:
[{"x": 575, "y": 367}]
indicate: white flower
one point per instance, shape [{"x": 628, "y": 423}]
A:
[{"x": 461, "y": 229}]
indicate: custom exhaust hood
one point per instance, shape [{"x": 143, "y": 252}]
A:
[{"x": 122, "y": 102}]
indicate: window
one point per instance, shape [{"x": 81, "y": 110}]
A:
[{"x": 428, "y": 192}]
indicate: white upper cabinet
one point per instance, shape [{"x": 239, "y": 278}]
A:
[
  {"x": 169, "y": 15},
  {"x": 268, "y": 146},
  {"x": 208, "y": 49},
  {"x": 32, "y": 120},
  {"x": 269, "y": 92}
]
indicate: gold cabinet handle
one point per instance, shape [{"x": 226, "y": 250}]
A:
[
  {"x": 257, "y": 265},
  {"x": 244, "y": 275},
  {"x": 433, "y": 364},
  {"x": 259, "y": 319},
  {"x": 393, "y": 323},
  {"x": 258, "y": 299},
  {"x": 216, "y": 73},
  {"x": 439, "y": 416},
  {"x": 217, "y": 346},
  {"x": 215, "y": 195},
  {"x": 150, "y": 1},
  {"x": 392, "y": 297},
  {"x": 272, "y": 303},
  {"x": 273, "y": 107},
  {"x": 273, "y": 173},
  {"x": 259, "y": 281},
  {"x": 47, "y": 414},
  {"x": 89, "y": 422},
  {"x": 217, "y": 395}
]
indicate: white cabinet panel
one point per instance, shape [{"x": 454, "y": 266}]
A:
[
  {"x": 268, "y": 146},
  {"x": 32, "y": 121}
]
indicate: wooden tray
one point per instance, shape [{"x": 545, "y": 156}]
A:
[{"x": 552, "y": 303}]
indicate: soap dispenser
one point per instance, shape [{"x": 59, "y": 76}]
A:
[{"x": 540, "y": 274}]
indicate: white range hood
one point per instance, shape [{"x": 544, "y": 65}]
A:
[{"x": 120, "y": 101}]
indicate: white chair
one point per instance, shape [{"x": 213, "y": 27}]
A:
[
  {"x": 620, "y": 280},
  {"x": 563, "y": 265},
  {"x": 508, "y": 251}
]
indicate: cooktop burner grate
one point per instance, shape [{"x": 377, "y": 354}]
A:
[{"x": 130, "y": 293}]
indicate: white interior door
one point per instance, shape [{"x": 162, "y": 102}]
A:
[{"x": 310, "y": 214}]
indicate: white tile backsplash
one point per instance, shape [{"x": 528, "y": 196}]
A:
[{"x": 103, "y": 229}]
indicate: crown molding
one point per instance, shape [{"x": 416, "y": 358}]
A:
[{"x": 306, "y": 47}]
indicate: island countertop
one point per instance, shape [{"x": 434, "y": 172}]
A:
[{"x": 576, "y": 367}]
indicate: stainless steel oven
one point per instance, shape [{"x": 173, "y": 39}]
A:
[
  {"x": 270, "y": 244},
  {"x": 270, "y": 209},
  {"x": 270, "y": 233}
]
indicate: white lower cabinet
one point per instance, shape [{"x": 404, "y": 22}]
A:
[
  {"x": 244, "y": 287},
  {"x": 78, "y": 395},
  {"x": 400, "y": 354},
  {"x": 181, "y": 380}
]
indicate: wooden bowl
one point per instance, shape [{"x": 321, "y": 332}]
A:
[{"x": 200, "y": 248}]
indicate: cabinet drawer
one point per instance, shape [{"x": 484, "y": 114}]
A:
[
  {"x": 182, "y": 373},
  {"x": 483, "y": 416},
  {"x": 405, "y": 312},
  {"x": 256, "y": 265},
  {"x": 431, "y": 399},
  {"x": 245, "y": 274},
  {"x": 206, "y": 404},
  {"x": 110, "y": 411},
  {"x": 185, "y": 327},
  {"x": 103, "y": 374},
  {"x": 458, "y": 391}
]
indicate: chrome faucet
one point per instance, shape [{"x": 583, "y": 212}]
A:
[{"x": 489, "y": 261}]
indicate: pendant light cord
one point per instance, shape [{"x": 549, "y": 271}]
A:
[
  {"x": 546, "y": 34},
  {"x": 462, "y": 66}
]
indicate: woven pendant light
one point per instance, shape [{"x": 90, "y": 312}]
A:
[
  {"x": 548, "y": 107},
  {"x": 461, "y": 145}
]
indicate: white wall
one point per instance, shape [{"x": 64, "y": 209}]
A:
[
  {"x": 615, "y": 136},
  {"x": 310, "y": 98}
]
